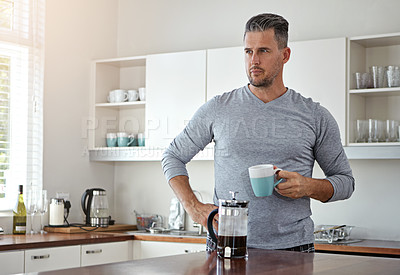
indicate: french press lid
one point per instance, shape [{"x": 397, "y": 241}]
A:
[{"x": 233, "y": 202}]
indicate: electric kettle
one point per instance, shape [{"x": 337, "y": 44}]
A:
[
  {"x": 95, "y": 206},
  {"x": 232, "y": 228}
]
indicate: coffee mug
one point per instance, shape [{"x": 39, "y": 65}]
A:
[
  {"x": 141, "y": 139},
  {"x": 263, "y": 179},
  {"x": 111, "y": 97},
  {"x": 142, "y": 94},
  {"x": 120, "y": 95},
  {"x": 111, "y": 139},
  {"x": 133, "y": 95},
  {"x": 124, "y": 140}
]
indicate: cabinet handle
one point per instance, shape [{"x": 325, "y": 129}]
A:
[
  {"x": 97, "y": 251},
  {"x": 40, "y": 257},
  {"x": 193, "y": 251}
]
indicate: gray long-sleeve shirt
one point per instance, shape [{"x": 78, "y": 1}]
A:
[{"x": 290, "y": 132}]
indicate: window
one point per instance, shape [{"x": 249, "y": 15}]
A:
[{"x": 21, "y": 90}]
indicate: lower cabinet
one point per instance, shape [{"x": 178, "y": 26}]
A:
[
  {"x": 12, "y": 262},
  {"x": 105, "y": 253},
  {"x": 63, "y": 257},
  {"x": 45, "y": 259},
  {"x": 152, "y": 249}
]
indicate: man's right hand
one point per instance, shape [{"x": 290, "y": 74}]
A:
[
  {"x": 197, "y": 210},
  {"x": 199, "y": 213}
]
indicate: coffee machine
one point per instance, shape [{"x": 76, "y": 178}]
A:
[{"x": 95, "y": 206}]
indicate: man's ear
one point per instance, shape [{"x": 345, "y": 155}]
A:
[{"x": 286, "y": 54}]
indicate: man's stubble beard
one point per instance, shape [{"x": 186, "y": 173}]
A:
[{"x": 267, "y": 81}]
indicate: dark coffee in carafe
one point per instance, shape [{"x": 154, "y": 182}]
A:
[{"x": 232, "y": 246}]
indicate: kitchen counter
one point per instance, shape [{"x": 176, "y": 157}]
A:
[
  {"x": 15, "y": 242},
  {"x": 258, "y": 262},
  {"x": 364, "y": 247}
]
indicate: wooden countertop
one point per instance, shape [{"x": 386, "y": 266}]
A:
[
  {"x": 15, "y": 242},
  {"x": 258, "y": 262},
  {"x": 362, "y": 247}
]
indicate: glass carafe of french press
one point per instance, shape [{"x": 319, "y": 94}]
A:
[{"x": 232, "y": 227}]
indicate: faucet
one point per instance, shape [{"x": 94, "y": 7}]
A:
[{"x": 199, "y": 226}]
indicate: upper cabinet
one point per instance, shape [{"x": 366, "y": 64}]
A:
[
  {"x": 381, "y": 103},
  {"x": 176, "y": 85},
  {"x": 225, "y": 70},
  {"x": 317, "y": 69},
  {"x": 108, "y": 75}
]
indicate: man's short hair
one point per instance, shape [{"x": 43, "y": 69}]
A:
[{"x": 266, "y": 21}]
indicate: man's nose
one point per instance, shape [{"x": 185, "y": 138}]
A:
[{"x": 255, "y": 59}]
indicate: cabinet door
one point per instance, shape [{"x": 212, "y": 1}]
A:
[
  {"x": 225, "y": 70},
  {"x": 12, "y": 262},
  {"x": 317, "y": 69},
  {"x": 54, "y": 258},
  {"x": 150, "y": 249},
  {"x": 175, "y": 89},
  {"x": 105, "y": 253}
]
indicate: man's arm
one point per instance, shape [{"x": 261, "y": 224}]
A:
[{"x": 197, "y": 210}]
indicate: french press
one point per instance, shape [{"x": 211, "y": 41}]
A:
[{"x": 232, "y": 227}]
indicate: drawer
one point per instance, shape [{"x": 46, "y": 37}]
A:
[
  {"x": 151, "y": 249},
  {"x": 104, "y": 253},
  {"x": 12, "y": 262},
  {"x": 45, "y": 259}
]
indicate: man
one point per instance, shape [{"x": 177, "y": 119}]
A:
[{"x": 264, "y": 122}]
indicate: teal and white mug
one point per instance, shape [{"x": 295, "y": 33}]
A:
[
  {"x": 111, "y": 139},
  {"x": 263, "y": 179},
  {"x": 124, "y": 139}
]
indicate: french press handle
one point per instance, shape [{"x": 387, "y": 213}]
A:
[{"x": 210, "y": 227}]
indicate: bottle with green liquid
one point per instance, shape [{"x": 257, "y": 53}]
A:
[{"x": 19, "y": 214}]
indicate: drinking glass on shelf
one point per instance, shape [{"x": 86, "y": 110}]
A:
[
  {"x": 33, "y": 196},
  {"x": 361, "y": 131},
  {"x": 392, "y": 134},
  {"x": 43, "y": 207},
  {"x": 375, "y": 130}
]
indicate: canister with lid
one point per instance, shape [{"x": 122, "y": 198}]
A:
[{"x": 56, "y": 212}]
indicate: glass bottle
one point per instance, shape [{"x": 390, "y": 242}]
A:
[{"x": 19, "y": 214}]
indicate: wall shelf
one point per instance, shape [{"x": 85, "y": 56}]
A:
[
  {"x": 138, "y": 154},
  {"x": 372, "y": 151}
]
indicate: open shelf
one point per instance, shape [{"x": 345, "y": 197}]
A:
[{"x": 122, "y": 104}]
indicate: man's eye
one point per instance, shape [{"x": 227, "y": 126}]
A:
[{"x": 248, "y": 52}]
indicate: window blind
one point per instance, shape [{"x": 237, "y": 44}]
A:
[{"x": 21, "y": 96}]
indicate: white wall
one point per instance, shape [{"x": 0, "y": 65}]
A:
[
  {"x": 157, "y": 26},
  {"x": 76, "y": 32}
]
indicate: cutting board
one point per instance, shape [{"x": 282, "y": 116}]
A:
[{"x": 73, "y": 229}]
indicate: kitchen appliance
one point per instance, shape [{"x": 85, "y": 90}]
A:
[
  {"x": 95, "y": 206},
  {"x": 232, "y": 227},
  {"x": 56, "y": 212}
]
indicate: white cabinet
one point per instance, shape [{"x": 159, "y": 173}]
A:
[
  {"x": 374, "y": 103},
  {"x": 104, "y": 253},
  {"x": 225, "y": 70},
  {"x": 108, "y": 75},
  {"x": 317, "y": 69},
  {"x": 54, "y": 258},
  {"x": 12, "y": 262},
  {"x": 176, "y": 84},
  {"x": 151, "y": 249}
]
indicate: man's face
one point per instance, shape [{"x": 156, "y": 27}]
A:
[{"x": 263, "y": 58}]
